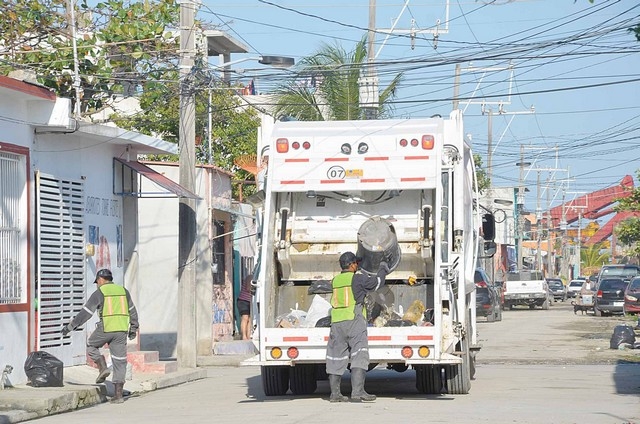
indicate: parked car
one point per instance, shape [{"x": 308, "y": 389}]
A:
[
  {"x": 487, "y": 297},
  {"x": 574, "y": 287},
  {"x": 557, "y": 288},
  {"x": 610, "y": 296},
  {"x": 624, "y": 271},
  {"x": 632, "y": 297}
]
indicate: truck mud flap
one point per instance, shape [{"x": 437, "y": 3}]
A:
[
  {"x": 303, "y": 379},
  {"x": 275, "y": 380}
]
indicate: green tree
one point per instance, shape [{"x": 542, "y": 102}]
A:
[
  {"x": 628, "y": 231},
  {"x": 481, "y": 173},
  {"x": 592, "y": 257},
  {"x": 118, "y": 45},
  {"x": 126, "y": 49},
  {"x": 327, "y": 88}
]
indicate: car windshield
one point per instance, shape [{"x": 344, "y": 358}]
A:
[
  {"x": 622, "y": 271},
  {"x": 612, "y": 285},
  {"x": 555, "y": 284},
  {"x": 634, "y": 284},
  {"x": 576, "y": 283}
]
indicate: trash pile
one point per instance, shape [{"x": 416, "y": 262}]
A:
[
  {"x": 623, "y": 337},
  {"x": 379, "y": 306}
]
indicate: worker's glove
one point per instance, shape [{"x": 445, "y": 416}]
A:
[
  {"x": 65, "y": 330},
  {"x": 132, "y": 334},
  {"x": 384, "y": 267}
]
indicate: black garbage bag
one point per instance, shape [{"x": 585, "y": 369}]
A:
[
  {"x": 622, "y": 334},
  {"x": 324, "y": 322},
  {"x": 320, "y": 287},
  {"x": 43, "y": 369}
]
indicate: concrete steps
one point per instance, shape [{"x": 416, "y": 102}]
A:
[{"x": 145, "y": 362}]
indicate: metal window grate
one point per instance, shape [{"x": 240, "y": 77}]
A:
[{"x": 12, "y": 186}]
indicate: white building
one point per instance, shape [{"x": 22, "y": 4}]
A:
[{"x": 68, "y": 206}]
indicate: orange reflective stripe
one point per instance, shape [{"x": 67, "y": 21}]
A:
[{"x": 108, "y": 305}]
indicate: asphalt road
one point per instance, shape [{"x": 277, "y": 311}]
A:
[{"x": 535, "y": 367}]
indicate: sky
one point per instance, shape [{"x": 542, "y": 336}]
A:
[{"x": 561, "y": 78}]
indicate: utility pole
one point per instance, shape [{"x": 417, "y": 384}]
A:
[
  {"x": 489, "y": 144},
  {"x": 369, "y": 96},
  {"x": 186, "y": 346}
]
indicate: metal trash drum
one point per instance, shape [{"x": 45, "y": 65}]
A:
[{"x": 377, "y": 242}]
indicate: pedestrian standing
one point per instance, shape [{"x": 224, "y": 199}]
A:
[
  {"x": 118, "y": 320},
  {"x": 348, "y": 340},
  {"x": 244, "y": 308}
]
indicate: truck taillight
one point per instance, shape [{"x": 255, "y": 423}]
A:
[
  {"x": 407, "y": 352},
  {"x": 404, "y": 142},
  {"x": 414, "y": 142},
  {"x": 599, "y": 294},
  {"x": 427, "y": 142},
  {"x": 293, "y": 352},
  {"x": 282, "y": 145},
  {"x": 306, "y": 145}
]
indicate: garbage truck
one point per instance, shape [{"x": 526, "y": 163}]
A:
[{"x": 401, "y": 191}]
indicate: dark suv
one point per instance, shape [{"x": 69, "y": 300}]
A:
[
  {"x": 610, "y": 296},
  {"x": 557, "y": 288},
  {"x": 487, "y": 297},
  {"x": 626, "y": 272}
]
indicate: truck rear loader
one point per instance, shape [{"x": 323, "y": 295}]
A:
[{"x": 399, "y": 191}]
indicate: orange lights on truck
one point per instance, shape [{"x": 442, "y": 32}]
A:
[
  {"x": 282, "y": 145},
  {"x": 407, "y": 352},
  {"x": 276, "y": 353},
  {"x": 427, "y": 142},
  {"x": 293, "y": 352},
  {"x": 423, "y": 351}
]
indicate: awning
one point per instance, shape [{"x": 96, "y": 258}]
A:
[{"x": 129, "y": 178}]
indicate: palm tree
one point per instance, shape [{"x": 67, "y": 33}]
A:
[
  {"x": 592, "y": 258},
  {"x": 330, "y": 89}
]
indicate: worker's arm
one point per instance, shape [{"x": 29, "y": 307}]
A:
[{"x": 86, "y": 312}]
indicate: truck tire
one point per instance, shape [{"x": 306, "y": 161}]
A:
[
  {"x": 545, "y": 305},
  {"x": 428, "y": 379},
  {"x": 303, "y": 379},
  {"x": 458, "y": 377},
  {"x": 275, "y": 380}
]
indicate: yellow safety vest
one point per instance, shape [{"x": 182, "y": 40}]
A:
[
  {"x": 342, "y": 301},
  {"x": 115, "y": 310}
]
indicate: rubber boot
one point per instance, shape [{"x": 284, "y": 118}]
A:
[
  {"x": 357, "y": 386},
  {"x": 117, "y": 398},
  {"x": 103, "y": 370},
  {"x": 334, "y": 383}
]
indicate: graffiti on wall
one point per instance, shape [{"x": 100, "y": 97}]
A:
[{"x": 222, "y": 312}]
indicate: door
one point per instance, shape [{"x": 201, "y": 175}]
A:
[{"x": 60, "y": 263}]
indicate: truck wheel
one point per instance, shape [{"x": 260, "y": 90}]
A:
[
  {"x": 545, "y": 305},
  {"x": 428, "y": 379},
  {"x": 597, "y": 312},
  {"x": 275, "y": 380},
  {"x": 303, "y": 379}
]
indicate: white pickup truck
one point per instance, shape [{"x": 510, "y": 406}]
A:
[{"x": 526, "y": 288}]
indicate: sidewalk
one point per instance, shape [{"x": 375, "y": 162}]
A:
[{"x": 22, "y": 403}]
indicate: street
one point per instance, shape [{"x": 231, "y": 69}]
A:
[{"x": 533, "y": 368}]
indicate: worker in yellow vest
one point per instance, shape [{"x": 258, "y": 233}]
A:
[
  {"x": 348, "y": 342},
  {"x": 118, "y": 321}
]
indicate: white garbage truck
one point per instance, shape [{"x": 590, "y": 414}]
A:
[{"x": 401, "y": 191}]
